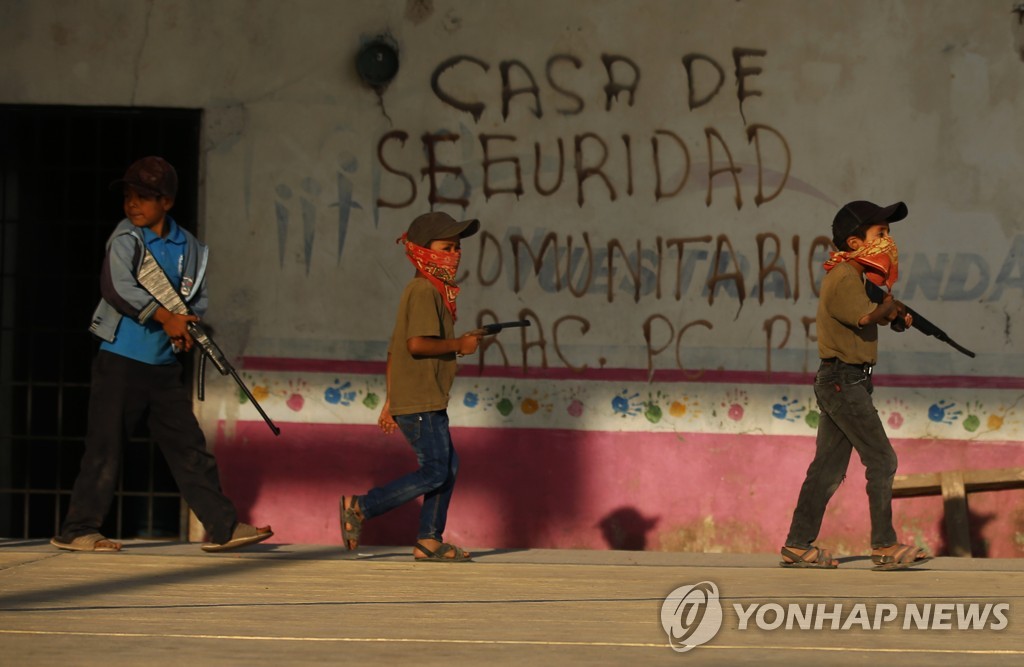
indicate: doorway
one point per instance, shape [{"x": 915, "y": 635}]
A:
[{"x": 56, "y": 212}]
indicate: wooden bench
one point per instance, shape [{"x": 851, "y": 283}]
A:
[{"x": 954, "y": 485}]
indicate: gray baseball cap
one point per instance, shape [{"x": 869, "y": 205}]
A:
[{"x": 439, "y": 225}]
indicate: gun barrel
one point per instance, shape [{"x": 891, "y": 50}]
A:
[
  {"x": 918, "y": 322},
  {"x": 498, "y": 326},
  {"x": 209, "y": 349},
  {"x": 273, "y": 427}
]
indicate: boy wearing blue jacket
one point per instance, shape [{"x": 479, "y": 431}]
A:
[{"x": 136, "y": 372}]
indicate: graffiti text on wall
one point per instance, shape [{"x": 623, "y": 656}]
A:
[
  {"x": 700, "y": 266},
  {"x": 587, "y": 162}
]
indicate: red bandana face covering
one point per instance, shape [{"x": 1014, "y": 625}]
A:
[
  {"x": 880, "y": 259},
  {"x": 439, "y": 268}
]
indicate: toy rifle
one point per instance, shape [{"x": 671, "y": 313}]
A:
[
  {"x": 491, "y": 329},
  {"x": 877, "y": 295},
  {"x": 155, "y": 281}
]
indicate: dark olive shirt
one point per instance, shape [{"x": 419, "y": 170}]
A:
[
  {"x": 841, "y": 304},
  {"x": 420, "y": 384}
]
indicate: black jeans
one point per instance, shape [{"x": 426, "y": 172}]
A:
[
  {"x": 848, "y": 421},
  {"x": 122, "y": 390}
]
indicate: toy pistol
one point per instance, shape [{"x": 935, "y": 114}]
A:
[{"x": 491, "y": 329}]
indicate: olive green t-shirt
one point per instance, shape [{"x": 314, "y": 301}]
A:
[
  {"x": 841, "y": 304},
  {"x": 420, "y": 384}
]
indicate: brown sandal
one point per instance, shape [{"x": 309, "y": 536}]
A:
[
  {"x": 811, "y": 557},
  {"x": 898, "y": 557},
  {"x": 351, "y": 523},
  {"x": 440, "y": 555}
]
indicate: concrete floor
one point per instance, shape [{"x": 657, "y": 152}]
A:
[{"x": 159, "y": 603}]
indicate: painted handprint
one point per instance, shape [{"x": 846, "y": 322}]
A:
[
  {"x": 735, "y": 404},
  {"x": 652, "y": 407},
  {"x": 788, "y": 409},
  {"x": 896, "y": 408},
  {"x": 340, "y": 394},
  {"x": 535, "y": 402},
  {"x": 813, "y": 416},
  {"x": 296, "y": 395},
  {"x": 575, "y": 406},
  {"x": 972, "y": 421},
  {"x": 684, "y": 406},
  {"x": 943, "y": 412},
  {"x": 507, "y": 400},
  {"x": 626, "y": 405}
]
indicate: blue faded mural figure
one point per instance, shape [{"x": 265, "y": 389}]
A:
[
  {"x": 345, "y": 203},
  {"x": 788, "y": 409},
  {"x": 471, "y": 399},
  {"x": 943, "y": 412},
  {"x": 311, "y": 188},
  {"x": 340, "y": 394},
  {"x": 282, "y": 212},
  {"x": 284, "y": 193},
  {"x": 625, "y": 405}
]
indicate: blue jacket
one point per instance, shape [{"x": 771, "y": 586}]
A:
[{"x": 123, "y": 296}]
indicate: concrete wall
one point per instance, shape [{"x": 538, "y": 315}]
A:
[{"x": 655, "y": 182}]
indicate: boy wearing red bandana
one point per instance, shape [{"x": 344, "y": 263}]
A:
[
  {"x": 420, "y": 371},
  {"x": 847, "y": 328}
]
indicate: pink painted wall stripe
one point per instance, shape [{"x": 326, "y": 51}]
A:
[{"x": 295, "y": 365}]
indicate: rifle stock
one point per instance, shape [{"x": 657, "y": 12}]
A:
[
  {"x": 919, "y": 322},
  {"x": 155, "y": 281}
]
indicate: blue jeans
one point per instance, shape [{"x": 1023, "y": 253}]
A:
[
  {"x": 848, "y": 421},
  {"x": 428, "y": 434}
]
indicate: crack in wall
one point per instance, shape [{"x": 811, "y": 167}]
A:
[{"x": 142, "y": 47}]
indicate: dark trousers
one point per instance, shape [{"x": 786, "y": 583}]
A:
[
  {"x": 121, "y": 392},
  {"x": 848, "y": 421}
]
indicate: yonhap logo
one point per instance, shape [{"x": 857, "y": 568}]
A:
[{"x": 691, "y": 615}]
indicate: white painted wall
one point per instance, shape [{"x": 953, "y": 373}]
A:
[{"x": 918, "y": 101}]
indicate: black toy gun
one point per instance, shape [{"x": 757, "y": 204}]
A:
[
  {"x": 212, "y": 351},
  {"x": 491, "y": 329},
  {"x": 155, "y": 281},
  {"x": 877, "y": 295}
]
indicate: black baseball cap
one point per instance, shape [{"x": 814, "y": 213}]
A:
[
  {"x": 438, "y": 225},
  {"x": 150, "y": 175},
  {"x": 863, "y": 213}
]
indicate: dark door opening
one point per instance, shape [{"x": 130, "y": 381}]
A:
[{"x": 56, "y": 212}]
